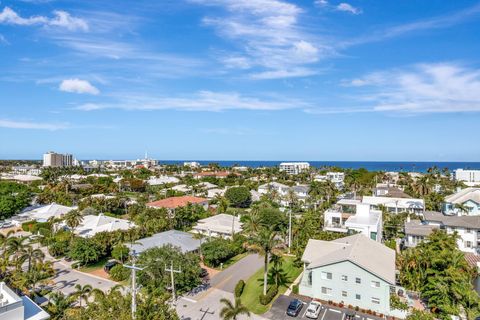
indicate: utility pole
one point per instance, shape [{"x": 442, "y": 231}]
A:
[
  {"x": 171, "y": 270},
  {"x": 289, "y": 230},
  {"x": 134, "y": 269}
]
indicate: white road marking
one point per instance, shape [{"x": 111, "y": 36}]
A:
[
  {"x": 324, "y": 313},
  {"x": 189, "y": 300},
  {"x": 334, "y": 310}
]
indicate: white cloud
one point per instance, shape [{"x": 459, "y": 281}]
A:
[
  {"x": 269, "y": 36},
  {"x": 424, "y": 88},
  {"x": 11, "y": 124},
  {"x": 321, "y": 3},
  {"x": 78, "y": 86},
  {"x": 60, "y": 19},
  {"x": 346, "y": 7},
  {"x": 201, "y": 101},
  {"x": 3, "y": 40}
]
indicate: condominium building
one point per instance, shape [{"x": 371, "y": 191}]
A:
[
  {"x": 294, "y": 167},
  {"x": 53, "y": 159},
  {"x": 354, "y": 270},
  {"x": 469, "y": 177},
  {"x": 337, "y": 178}
]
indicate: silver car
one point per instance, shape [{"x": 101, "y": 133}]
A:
[{"x": 313, "y": 310}]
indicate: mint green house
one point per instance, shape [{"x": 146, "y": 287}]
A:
[{"x": 354, "y": 270}]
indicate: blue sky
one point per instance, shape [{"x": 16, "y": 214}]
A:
[{"x": 241, "y": 80}]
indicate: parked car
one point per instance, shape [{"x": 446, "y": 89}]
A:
[
  {"x": 349, "y": 315},
  {"x": 313, "y": 310},
  {"x": 203, "y": 273},
  {"x": 109, "y": 265},
  {"x": 294, "y": 307}
]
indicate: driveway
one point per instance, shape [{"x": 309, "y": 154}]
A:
[
  {"x": 243, "y": 269},
  {"x": 279, "y": 307},
  {"x": 66, "y": 278}
]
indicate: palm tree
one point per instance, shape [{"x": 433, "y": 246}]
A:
[
  {"x": 462, "y": 208},
  {"x": 83, "y": 293},
  {"x": 58, "y": 303},
  {"x": 265, "y": 242},
  {"x": 73, "y": 219},
  {"x": 31, "y": 255},
  {"x": 231, "y": 311}
]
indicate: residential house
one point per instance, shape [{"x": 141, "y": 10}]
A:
[
  {"x": 26, "y": 170},
  {"x": 337, "y": 178},
  {"x": 185, "y": 241},
  {"x": 15, "y": 307},
  {"x": 43, "y": 213},
  {"x": 173, "y": 203},
  {"x": 191, "y": 164},
  {"x": 215, "y": 192},
  {"x": 354, "y": 270},
  {"x": 294, "y": 167},
  {"x": 92, "y": 224},
  {"x": 416, "y": 231},
  {"x": 396, "y": 205},
  {"x": 282, "y": 191},
  {"x": 155, "y": 181},
  {"x": 389, "y": 190},
  {"x": 466, "y": 227},
  {"x": 365, "y": 221},
  {"x": 220, "y": 225},
  {"x": 464, "y": 202}
]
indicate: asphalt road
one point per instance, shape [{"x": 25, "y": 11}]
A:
[{"x": 243, "y": 269}]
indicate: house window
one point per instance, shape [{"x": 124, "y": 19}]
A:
[
  {"x": 358, "y": 280},
  {"x": 469, "y": 244},
  {"x": 358, "y": 297},
  {"x": 375, "y": 300},
  {"x": 327, "y": 275},
  {"x": 344, "y": 294},
  {"x": 310, "y": 278},
  {"x": 344, "y": 278},
  {"x": 468, "y": 230},
  {"x": 327, "y": 291},
  {"x": 373, "y": 236},
  {"x": 376, "y": 284}
]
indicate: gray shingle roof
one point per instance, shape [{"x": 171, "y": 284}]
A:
[
  {"x": 368, "y": 254},
  {"x": 417, "y": 228},
  {"x": 184, "y": 240},
  {"x": 472, "y": 222}
]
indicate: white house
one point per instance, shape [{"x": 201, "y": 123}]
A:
[
  {"x": 468, "y": 198},
  {"x": 154, "y": 181},
  {"x": 466, "y": 227},
  {"x": 396, "y": 205},
  {"x": 212, "y": 193},
  {"x": 220, "y": 225},
  {"x": 282, "y": 190},
  {"x": 469, "y": 177},
  {"x": 354, "y": 270},
  {"x": 337, "y": 178},
  {"x": 14, "y": 307},
  {"x": 294, "y": 167},
  {"x": 91, "y": 225},
  {"x": 365, "y": 221},
  {"x": 43, "y": 213},
  {"x": 191, "y": 164},
  {"x": 26, "y": 170}
]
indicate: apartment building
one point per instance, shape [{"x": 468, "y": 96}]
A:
[
  {"x": 294, "y": 167},
  {"x": 53, "y": 159},
  {"x": 469, "y": 177},
  {"x": 337, "y": 178},
  {"x": 354, "y": 270}
]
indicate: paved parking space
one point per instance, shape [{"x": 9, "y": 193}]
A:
[{"x": 279, "y": 308}]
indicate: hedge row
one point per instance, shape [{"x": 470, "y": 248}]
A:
[
  {"x": 239, "y": 288},
  {"x": 267, "y": 298}
]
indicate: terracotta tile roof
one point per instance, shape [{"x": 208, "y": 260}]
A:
[
  {"x": 175, "y": 202},
  {"x": 472, "y": 259}
]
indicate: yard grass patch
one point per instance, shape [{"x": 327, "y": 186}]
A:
[
  {"x": 254, "y": 286},
  {"x": 94, "y": 266}
]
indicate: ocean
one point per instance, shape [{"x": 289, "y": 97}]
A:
[{"x": 405, "y": 166}]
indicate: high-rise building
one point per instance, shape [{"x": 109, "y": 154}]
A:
[
  {"x": 294, "y": 167},
  {"x": 53, "y": 159}
]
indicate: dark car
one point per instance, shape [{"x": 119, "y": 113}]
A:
[
  {"x": 294, "y": 308},
  {"x": 109, "y": 265},
  {"x": 203, "y": 273},
  {"x": 349, "y": 315}
]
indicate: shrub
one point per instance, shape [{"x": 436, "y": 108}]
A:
[
  {"x": 295, "y": 289},
  {"x": 58, "y": 248},
  {"x": 239, "y": 288},
  {"x": 85, "y": 251},
  {"x": 120, "y": 252},
  {"x": 119, "y": 273},
  {"x": 267, "y": 298},
  {"x": 217, "y": 251}
]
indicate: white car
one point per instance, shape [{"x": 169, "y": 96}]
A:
[{"x": 313, "y": 310}]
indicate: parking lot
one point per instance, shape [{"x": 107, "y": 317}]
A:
[{"x": 279, "y": 307}]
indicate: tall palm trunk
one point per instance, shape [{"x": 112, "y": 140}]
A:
[{"x": 265, "y": 274}]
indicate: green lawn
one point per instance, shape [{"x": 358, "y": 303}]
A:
[
  {"x": 233, "y": 260},
  {"x": 254, "y": 286},
  {"x": 97, "y": 265}
]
